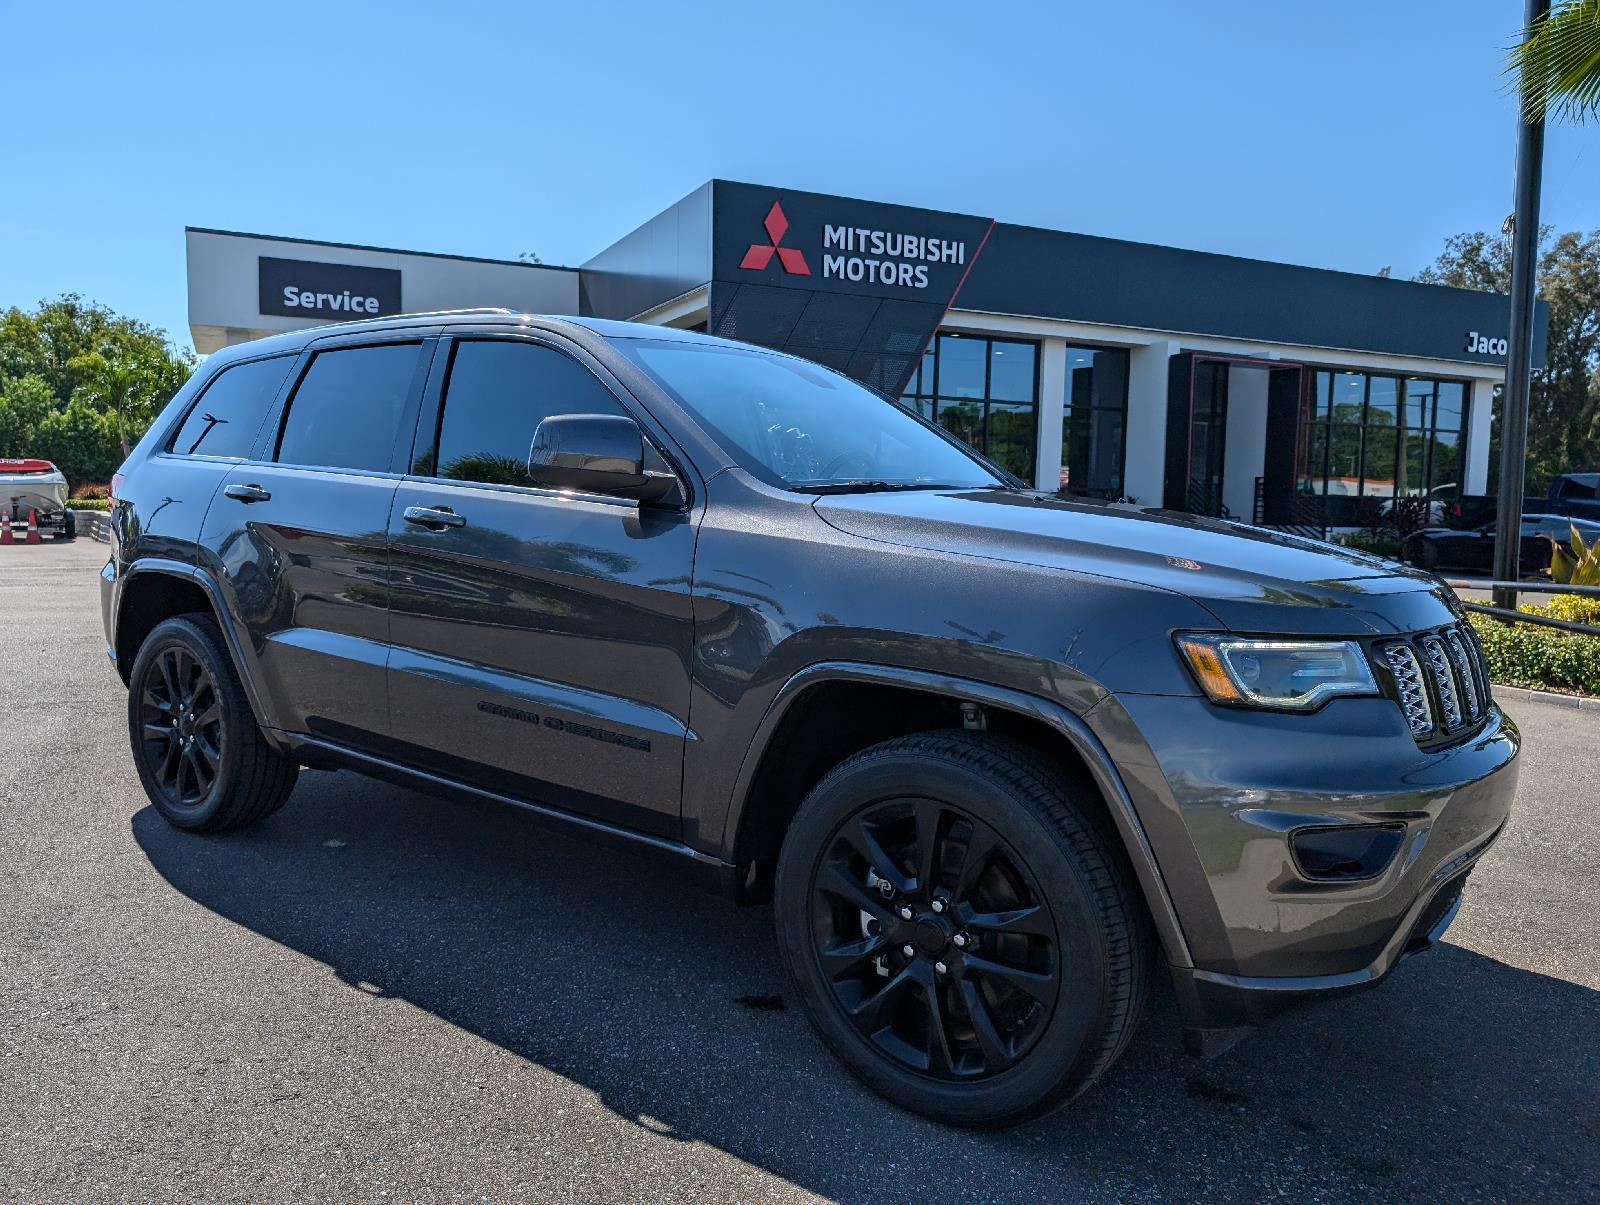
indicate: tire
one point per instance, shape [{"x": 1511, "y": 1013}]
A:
[
  {"x": 69, "y": 526},
  {"x": 247, "y": 781},
  {"x": 1428, "y": 555},
  {"x": 903, "y": 1025}
]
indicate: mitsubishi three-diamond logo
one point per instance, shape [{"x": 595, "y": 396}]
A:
[{"x": 760, "y": 254}]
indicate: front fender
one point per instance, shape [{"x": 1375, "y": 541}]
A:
[{"x": 1057, "y": 717}]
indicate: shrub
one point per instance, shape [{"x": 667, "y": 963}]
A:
[
  {"x": 88, "y": 504},
  {"x": 1539, "y": 658},
  {"x": 91, "y": 490},
  {"x": 1574, "y": 608}
]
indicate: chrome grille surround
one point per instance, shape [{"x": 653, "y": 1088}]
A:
[
  {"x": 1444, "y": 682},
  {"x": 1466, "y": 663},
  {"x": 1407, "y": 671}
]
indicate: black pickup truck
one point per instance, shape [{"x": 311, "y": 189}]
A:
[{"x": 1574, "y": 494}]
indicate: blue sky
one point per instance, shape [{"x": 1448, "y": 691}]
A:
[{"x": 1347, "y": 135}]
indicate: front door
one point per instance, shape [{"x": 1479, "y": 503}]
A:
[{"x": 541, "y": 640}]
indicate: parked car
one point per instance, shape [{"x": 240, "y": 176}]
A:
[
  {"x": 1472, "y": 551},
  {"x": 993, "y": 755},
  {"x": 36, "y": 487},
  {"x": 1576, "y": 494}
]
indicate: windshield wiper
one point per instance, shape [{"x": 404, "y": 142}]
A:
[{"x": 869, "y": 486}]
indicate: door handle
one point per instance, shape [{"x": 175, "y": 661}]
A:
[
  {"x": 247, "y": 493},
  {"x": 435, "y": 518}
]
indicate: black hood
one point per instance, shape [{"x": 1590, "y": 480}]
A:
[{"x": 1251, "y": 579}]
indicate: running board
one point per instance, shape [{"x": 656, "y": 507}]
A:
[{"x": 709, "y": 871}]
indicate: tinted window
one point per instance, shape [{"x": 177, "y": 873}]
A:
[
  {"x": 225, "y": 420},
  {"x": 345, "y": 413},
  {"x": 497, "y": 395}
]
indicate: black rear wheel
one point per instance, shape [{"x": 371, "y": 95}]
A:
[
  {"x": 201, "y": 758},
  {"x": 960, "y": 930}
]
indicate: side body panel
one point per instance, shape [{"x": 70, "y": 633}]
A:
[
  {"x": 543, "y": 648},
  {"x": 304, "y": 575}
]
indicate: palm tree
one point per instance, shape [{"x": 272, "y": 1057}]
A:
[
  {"x": 1556, "y": 67},
  {"x": 118, "y": 386}
]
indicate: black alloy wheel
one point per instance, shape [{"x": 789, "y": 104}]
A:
[
  {"x": 183, "y": 734},
  {"x": 201, "y": 757},
  {"x": 935, "y": 939},
  {"x": 961, "y": 927}
]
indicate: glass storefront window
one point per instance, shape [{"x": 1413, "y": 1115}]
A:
[
  {"x": 962, "y": 366},
  {"x": 1011, "y": 371},
  {"x": 1094, "y": 422},
  {"x": 1379, "y": 437},
  {"x": 985, "y": 393},
  {"x": 1451, "y": 405},
  {"x": 1382, "y": 401}
]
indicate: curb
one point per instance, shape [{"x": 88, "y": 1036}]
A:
[{"x": 1571, "y": 702}]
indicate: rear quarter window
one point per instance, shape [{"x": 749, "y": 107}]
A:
[
  {"x": 347, "y": 409},
  {"x": 227, "y": 418}
]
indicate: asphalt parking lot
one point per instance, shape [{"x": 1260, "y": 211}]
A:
[{"x": 377, "y": 994}]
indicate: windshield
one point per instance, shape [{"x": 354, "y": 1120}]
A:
[{"x": 797, "y": 425}]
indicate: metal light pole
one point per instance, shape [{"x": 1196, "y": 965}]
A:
[{"x": 1519, "y": 345}]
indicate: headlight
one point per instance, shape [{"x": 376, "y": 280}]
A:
[{"x": 1292, "y": 675}]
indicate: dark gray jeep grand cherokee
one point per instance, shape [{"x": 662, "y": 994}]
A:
[{"x": 990, "y": 753}]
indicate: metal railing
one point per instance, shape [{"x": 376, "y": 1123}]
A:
[
  {"x": 1512, "y": 615},
  {"x": 1307, "y": 515}
]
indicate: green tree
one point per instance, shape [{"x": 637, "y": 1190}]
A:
[
  {"x": 1564, "y": 406},
  {"x": 79, "y": 383},
  {"x": 1556, "y": 65},
  {"x": 25, "y": 402},
  {"x": 119, "y": 388}
]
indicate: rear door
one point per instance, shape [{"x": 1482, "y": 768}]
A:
[
  {"x": 299, "y": 536},
  {"x": 168, "y": 496},
  {"x": 541, "y": 640}
]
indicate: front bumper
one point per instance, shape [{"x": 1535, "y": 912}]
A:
[
  {"x": 1219, "y": 1009},
  {"x": 1226, "y": 795}
]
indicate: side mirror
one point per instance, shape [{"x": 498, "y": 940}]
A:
[{"x": 596, "y": 454}]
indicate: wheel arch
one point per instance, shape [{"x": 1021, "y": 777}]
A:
[
  {"x": 778, "y": 770},
  {"x": 154, "y": 590}
]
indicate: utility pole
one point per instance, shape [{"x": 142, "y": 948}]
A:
[{"x": 1519, "y": 346}]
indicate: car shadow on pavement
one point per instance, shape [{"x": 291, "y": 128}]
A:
[{"x": 1461, "y": 1076}]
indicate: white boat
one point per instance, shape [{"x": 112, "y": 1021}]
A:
[{"x": 35, "y": 486}]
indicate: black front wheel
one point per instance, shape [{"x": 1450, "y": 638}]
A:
[
  {"x": 201, "y": 758},
  {"x": 960, "y": 928}
]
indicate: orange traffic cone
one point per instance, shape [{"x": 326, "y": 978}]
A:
[
  {"x": 5, "y": 527},
  {"x": 33, "y": 527}
]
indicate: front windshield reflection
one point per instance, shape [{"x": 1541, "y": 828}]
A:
[{"x": 800, "y": 426}]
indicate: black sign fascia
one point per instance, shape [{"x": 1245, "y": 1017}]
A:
[
  {"x": 858, "y": 285},
  {"x": 804, "y": 240}
]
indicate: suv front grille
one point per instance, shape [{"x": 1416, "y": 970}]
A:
[{"x": 1439, "y": 681}]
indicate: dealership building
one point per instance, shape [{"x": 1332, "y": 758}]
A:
[{"x": 1199, "y": 382}]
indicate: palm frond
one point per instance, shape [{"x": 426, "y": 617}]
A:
[{"x": 1556, "y": 67}]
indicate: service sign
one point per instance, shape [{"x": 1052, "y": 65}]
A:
[{"x": 298, "y": 288}]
